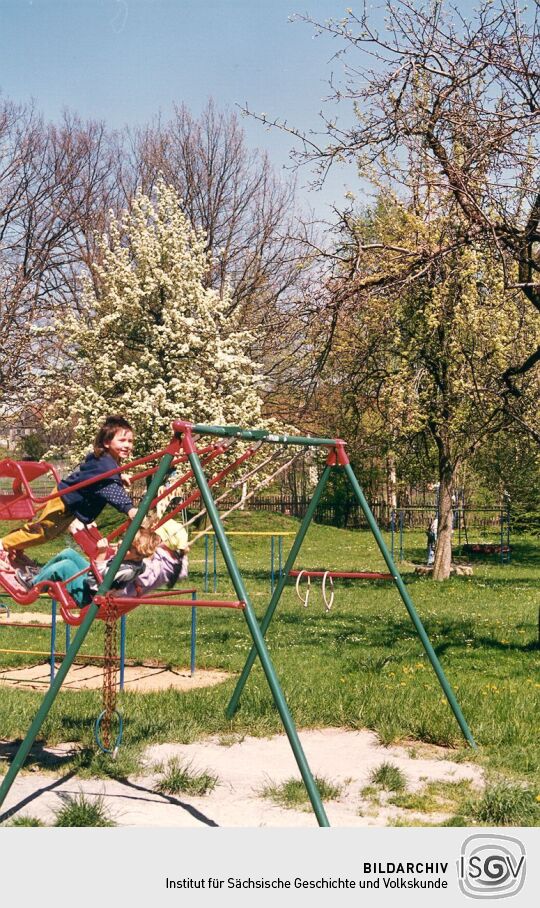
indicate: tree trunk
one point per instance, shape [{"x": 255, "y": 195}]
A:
[
  {"x": 243, "y": 496},
  {"x": 443, "y": 551},
  {"x": 391, "y": 481}
]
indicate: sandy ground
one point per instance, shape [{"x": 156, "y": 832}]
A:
[
  {"x": 90, "y": 677},
  {"x": 30, "y": 617},
  {"x": 243, "y": 766}
]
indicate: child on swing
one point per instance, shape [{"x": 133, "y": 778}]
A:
[
  {"x": 163, "y": 566},
  {"x": 165, "y": 562},
  {"x": 113, "y": 444},
  {"x": 82, "y": 588},
  {"x": 168, "y": 564}
]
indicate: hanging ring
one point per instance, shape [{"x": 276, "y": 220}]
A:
[
  {"x": 303, "y": 600},
  {"x": 97, "y": 733},
  {"x": 328, "y": 601}
]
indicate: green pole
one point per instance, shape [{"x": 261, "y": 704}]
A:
[
  {"x": 80, "y": 636},
  {"x": 255, "y": 435},
  {"x": 257, "y": 637},
  {"x": 276, "y": 595},
  {"x": 449, "y": 694}
]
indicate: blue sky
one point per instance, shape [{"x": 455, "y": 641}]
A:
[{"x": 124, "y": 61}]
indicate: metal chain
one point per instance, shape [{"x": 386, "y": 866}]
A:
[{"x": 109, "y": 673}]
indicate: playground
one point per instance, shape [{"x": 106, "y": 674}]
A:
[{"x": 358, "y": 666}]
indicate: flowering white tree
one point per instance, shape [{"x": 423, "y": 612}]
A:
[{"x": 150, "y": 341}]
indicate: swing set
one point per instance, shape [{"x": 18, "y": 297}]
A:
[{"x": 185, "y": 447}]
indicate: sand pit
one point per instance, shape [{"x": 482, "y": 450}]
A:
[
  {"x": 243, "y": 766},
  {"x": 90, "y": 677},
  {"x": 37, "y": 618}
]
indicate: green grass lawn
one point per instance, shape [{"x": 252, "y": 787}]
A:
[{"x": 360, "y": 665}]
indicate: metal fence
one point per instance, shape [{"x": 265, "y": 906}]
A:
[{"x": 346, "y": 513}]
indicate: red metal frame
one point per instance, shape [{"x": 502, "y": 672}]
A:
[
  {"x": 74, "y": 616},
  {"x": 88, "y": 538},
  {"x": 215, "y": 452},
  {"x": 211, "y": 482},
  {"x": 349, "y": 575},
  {"x": 122, "y": 605},
  {"x": 337, "y": 456},
  {"x": 182, "y": 458},
  {"x": 220, "y": 448},
  {"x": 17, "y": 505}
]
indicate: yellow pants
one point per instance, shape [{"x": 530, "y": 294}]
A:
[{"x": 52, "y": 520}]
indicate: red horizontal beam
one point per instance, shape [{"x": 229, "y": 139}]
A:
[
  {"x": 174, "y": 592},
  {"x": 132, "y": 601},
  {"x": 349, "y": 575},
  {"x": 122, "y": 468}
]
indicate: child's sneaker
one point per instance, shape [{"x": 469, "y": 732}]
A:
[{"x": 25, "y": 578}]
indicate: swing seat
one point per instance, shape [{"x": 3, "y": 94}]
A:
[
  {"x": 88, "y": 538},
  {"x": 13, "y": 588},
  {"x": 21, "y": 503},
  {"x": 71, "y": 613},
  {"x": 485, "y": 548}
]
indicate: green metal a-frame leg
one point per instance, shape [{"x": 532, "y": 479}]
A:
[
  {"x": 278, "y": 590},
  {"x": 339, "y": 460}
]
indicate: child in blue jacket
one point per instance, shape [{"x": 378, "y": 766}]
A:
[{"x": 113, "y": 444}]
